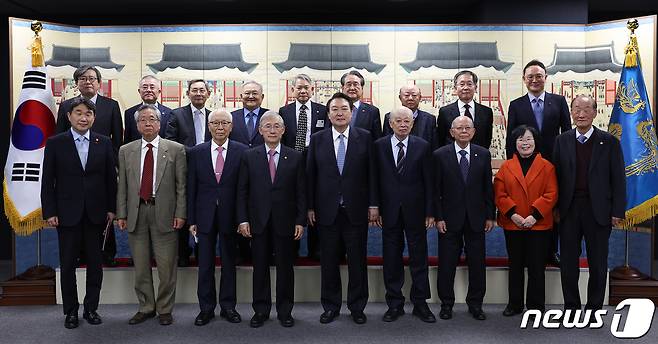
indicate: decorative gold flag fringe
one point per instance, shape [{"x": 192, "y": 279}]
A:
[
  {"x": 631, "y": 53},
  {"x": 639, "y": 214},
  {"x": 36, "y": 47},
  {"x": 21, "y": 225}
]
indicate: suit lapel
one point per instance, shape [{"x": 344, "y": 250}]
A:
[
  {"x": 134, "y": 159},
  {"x": 240, "y": 128},
  {"x": 93, "y": 150},
  {"x": 330, "y": 150},
  {"x": 190, "y": 122},
  {"x": 263, "y": 160},
  {"x": 207, "y": 161},
  {"x": 517, "y": 172},
  {"x": 570, "y": 143},
  {"x": 74, "y": 150},
  {"x": 162, "y": 163},
  {"x": 352, "y": 145},
  {"x": 530, "y": 111},
  {"x": 292, "y": 112},
  {"x": 598, "y": 145},
  {"x": 230, "y": 161},
  {"x": 455, "y": 164},
  {"x": 388, "y": 151},
  {"x": 207, "y": 137}
]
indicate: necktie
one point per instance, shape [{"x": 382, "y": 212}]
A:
[
  {"x": 251, "y": 121},
  {"x": 82, "y": 145},
  {"x": 219, "y": 164},
  {"x": 538, "y": 109},
  {"x": 300, "y": 135},
  {"x": 340, "y": 156},
  {"x": 400, "y": 160},
  {"x": 272, "y": 153},
  {"x": 467, "y": 112},
  {"x": 463, "y": 164},
  {"x": 146, "y": 188},
  {"x": 198, "y": 126},
  {"x": 582, "y": 138}
]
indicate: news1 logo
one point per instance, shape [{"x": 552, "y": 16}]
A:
[{"x": 637, "y": 320}]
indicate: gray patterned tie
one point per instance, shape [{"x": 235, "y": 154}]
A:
[{"x": 302, "y": 127}]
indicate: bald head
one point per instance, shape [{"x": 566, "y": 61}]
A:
[{"x": 410, "y": 97}]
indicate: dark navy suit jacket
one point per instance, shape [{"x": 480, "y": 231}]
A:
[
  {"x": 131, "y": 134},
  {"x": 240, "y": 133}
]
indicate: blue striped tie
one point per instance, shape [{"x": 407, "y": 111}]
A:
[{"x": 340, "y": 157}]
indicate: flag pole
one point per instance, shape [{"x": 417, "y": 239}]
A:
[{"x": 39, "y": 271}]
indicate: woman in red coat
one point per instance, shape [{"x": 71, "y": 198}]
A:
[{"x": 526, "y": 192}]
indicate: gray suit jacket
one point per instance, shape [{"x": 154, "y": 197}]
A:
[{"x": 170, "y": 181}]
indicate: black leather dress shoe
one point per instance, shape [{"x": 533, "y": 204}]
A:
[
  {"x": 328, "y": 316},
  {"x": 423, "y": 312},
  {"x": 92, "y": 318},
  {"x": 231, "y": 315},
  {"x": 203, "y": 318},
  {"x": 166, "y": 319},
  {"x": 71, "y": 320},
  {"x": 140, "y": 317},
  {"x": 511, "y": 311},
  {"x": 258, "y": 320},
  {"x": 393, "y": 314},
  {"x": 445, "y": 313},
  {"x": 287, "y": 321},
  {"x": 477, "y": 313},
  {"x": 359, "y": 317}
]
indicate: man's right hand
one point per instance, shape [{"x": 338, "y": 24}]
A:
[
  {"x": 123, "y": 224},
  {"x": 192, "y": 230},
  {"x": 53, "y": 221},
  {"x": 311, "y": 217},
  {"x": 441, "y": 226}
]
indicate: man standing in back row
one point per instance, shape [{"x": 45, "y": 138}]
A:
[{"x": 364, "y": 115}]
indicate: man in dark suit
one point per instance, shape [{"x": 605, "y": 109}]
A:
[
  {"x": 424, "y": 122},
  {"x": 546, "y": 112},
  {"x": 465, "y": 211},
  {"x": 107, "y": 122},
  {"x": 149, "y": 91},
  {"x": 245, "y": 120},
  {"x": 212, "y": 181},
  {"x": 342, "y": 200},
  {"x": 591, "y": 176},
  {"x": 405, "y": 182},
  {"x": 245, "y": 130},
  {"x": 304, "y": 118},
  {"x": 78, "y": 196},
  {"x": 272, "y": 211},
  {"x": 364, "y": 115},
  {"x": 465, "y": 84},
  {"x": 188, "y": 125}
]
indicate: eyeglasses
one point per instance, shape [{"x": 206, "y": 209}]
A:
[
  {"x": 87, "y": 78},
  {"x": 198, "y": 90},
  {"x": 219, "y": 123},
  {"x": 148, "y": 87},
  {"x": 462, "y": 128},
  {"x": 525, "y": 140},
  {"x": 465, "y": 84},
  {"x": 537, "y": 77},
  {"x": 149, "y": 120},
  {"x": 269, "y": 126}
]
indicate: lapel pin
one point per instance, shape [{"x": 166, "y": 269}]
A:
[
  {"x": 476, "y": 154},
  {"x": 164, "y": 156},
  {"x": 601, "y": 142},
  {"x": 285, "y": 157}
]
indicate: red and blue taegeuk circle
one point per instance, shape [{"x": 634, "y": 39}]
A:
[{"x": 33, "y": 124}]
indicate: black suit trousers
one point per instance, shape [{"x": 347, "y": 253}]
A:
[
  {"x": 580, "y": 223},
  {"x": 72, "y": 240},
  {"x": 206, "y": 288},
  {"x": 355, "y": 240},
  {"x": 393, "y": 246},
  {"x": 450, "y": 248},
  {"x": 527, "y": 249},
  {"x": 262, "y": 246}
]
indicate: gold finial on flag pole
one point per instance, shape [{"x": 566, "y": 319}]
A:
[
  {"x": 631, "y": 49},
  {"x": 36, "y": 46}
]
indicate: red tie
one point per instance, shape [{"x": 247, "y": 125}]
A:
[
  {"x": 219, "y": 164},
  {"x": 146, "y": 189}
]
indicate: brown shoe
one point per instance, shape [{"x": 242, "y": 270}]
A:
[
  {"x": 140, "y": 318},
  {"x": 165, "y": 319}
]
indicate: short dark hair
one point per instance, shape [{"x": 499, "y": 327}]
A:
[
  {"x": 520, "y": 131},
  {"x": 340, "y": 95},
  {"x": 189, "y": 84},
  {"x": 534, "y": 63},
  {"x": 355, "y": 73},
  {"x": 584, "y": 96},
  {"x": 77, "y": 101},
  {"x": 83, "y": 69},
  {"x": 460, "y": 73}
]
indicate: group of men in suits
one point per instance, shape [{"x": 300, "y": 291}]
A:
[{"x": 253, "y": 180}]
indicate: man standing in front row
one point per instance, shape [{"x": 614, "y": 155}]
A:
[
  {"x": 405, "y": 182},
  {"x": 592, "y": 188},
  {"x": 342, "y": 199},
  {"x": 78, "y": 196},
  {"x": 304, "y": 118},
  {"x": 465, "y": 84},
  {"x": 271, "y": 210},
  {"x": 212, "y": 182},
  {"x": 465, "y": 211},
  {"x": 153, "y": 215}
]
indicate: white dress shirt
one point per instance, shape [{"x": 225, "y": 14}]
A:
[
  {"x": 588, "y": 134},
  {"x": 155, "y": 143},
  {"x": 541, "y": 96}
]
